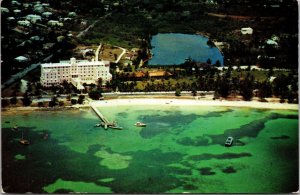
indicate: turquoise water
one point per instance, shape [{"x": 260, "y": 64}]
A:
[
  {"x": 174, "y": 48},
  {"x": 180, "y": 150}
]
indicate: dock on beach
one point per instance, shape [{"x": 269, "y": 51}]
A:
[
  {"x": 105, "y": 123},
  {"x": 100, "y": 115}
]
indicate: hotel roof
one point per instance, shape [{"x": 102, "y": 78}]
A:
[{"x": 67, "y": 64}]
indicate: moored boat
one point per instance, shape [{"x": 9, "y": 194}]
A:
[
  {"x": 116, "y": 127},
  {"x": 23, "y": 141},
  {"x": 140, "y": 124},
  {"x": 229, "y": 141}
]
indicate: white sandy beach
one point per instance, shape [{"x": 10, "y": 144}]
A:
[{"x": 189, "y": 102}]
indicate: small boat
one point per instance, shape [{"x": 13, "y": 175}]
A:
[
  {"x": 98, "y": 125},
  {"x": 104, "y": 125},
  {"x": 45, "y": 136},
  {"x": 24, "y": 141},
  {"x": 116, "y": 127},
  {"x": 229, "y": 141},
  {"x": 140, "y": 124},
  {"x": 15, "y": 128}
]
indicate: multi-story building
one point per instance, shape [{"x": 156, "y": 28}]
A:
[{"x": 75, "y": 71}]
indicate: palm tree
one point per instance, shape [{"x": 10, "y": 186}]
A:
[
  {"x": 208, "y": 61},
  {"x": 178, "y": 92},
  {"x": 99, "y": 83},
  {"x": 169, "y": 86}
]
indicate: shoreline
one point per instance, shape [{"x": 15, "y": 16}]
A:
[
  {"x": 194, "y": 102},
  {"x": 164, "y": 101}
]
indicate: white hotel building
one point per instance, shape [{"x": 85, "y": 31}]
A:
[{"x": 75, "y": 71}]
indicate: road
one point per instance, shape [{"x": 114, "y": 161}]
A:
[
  {"x": 87, "y": 29},
  {"x": 97, "y": 53},
  {"x": 19, "y": 75},
  {"x": 120, "y": 56},
  {"x": 22, "y": 73}
]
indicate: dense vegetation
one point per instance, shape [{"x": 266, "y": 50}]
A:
[{"x": 134, "y": 21}]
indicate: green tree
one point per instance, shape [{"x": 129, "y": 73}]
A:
[
  {"x": 26, "y": 100},
  {"x": 194, "y": 92},
  {"x": 223, "y": 87},
  {"x": 178, "y": 92},
  {"x": 13, "y": 100},
  {"x": 40, "y": 104},
  {"x": 80, "y": 99},
  {"x": 99, "y": 83},
  {"x": 218, "y": 63},
  {"x": 280, "y": 85},
  {"x": 265, "y": 90},
  {"x": 246, "y": 89},
  {"x": 208, "y": 61},
  {"x": 53, "y": 102},
  {"x": 73, "y": 101},
  {"x": 95, "y": 94},
  {"x": 68, "y": 98},
  {"x": 4, "y": 103}
]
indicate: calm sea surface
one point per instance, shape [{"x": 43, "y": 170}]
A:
[
  {"x": 180, "y": 150},
  {"x": 174, "y": 48}
]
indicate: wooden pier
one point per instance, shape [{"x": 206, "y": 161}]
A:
[{"x": 106, "y": 122}]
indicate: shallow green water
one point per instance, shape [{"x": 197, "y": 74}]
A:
[{"x": 180, "y": 150}]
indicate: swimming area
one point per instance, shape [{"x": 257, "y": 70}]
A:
[{"x": 180, "y": 150}]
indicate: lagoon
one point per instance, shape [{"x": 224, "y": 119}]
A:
[
  {"x": 180, "y": 150},
  {"x": 175, "y": 48}
]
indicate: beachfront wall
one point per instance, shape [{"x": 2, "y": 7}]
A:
[{"x": 74, "y": 71}]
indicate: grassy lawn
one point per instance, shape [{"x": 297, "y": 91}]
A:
[
  {"x": 188, "y": 80},
  {"x": 259, "y": 75}
]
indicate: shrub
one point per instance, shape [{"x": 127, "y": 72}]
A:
[
  {"x": 40, "y": 104},
  {"x": 13, "y": 100},
  {"x": 61, "y": 103},
  {"x": 178, "y": 92},
  {"x": 73, "y": 101}
]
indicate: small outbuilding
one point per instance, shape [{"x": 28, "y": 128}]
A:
[
  {"x": 54, "y": 23},
  {"x": 17, "y": 11},
  {"x": 247, "y": 31},
  {"x": 38, "y": 9},
  {"x": 35, "y": 38},
  {"x": 4, "y": 10},
  {"x": 72, "y": 14},
  {"x": 15, "y": 3},
  {"x": 11, "y": 19},
  {"x": 47, "y": 14},
  {"x": 21, "y": 59},
  {"x": 33, "y": 18},
  {"x": 24, "y": 23},
  {"x": 272, "y": 43}
]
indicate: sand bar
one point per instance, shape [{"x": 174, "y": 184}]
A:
[{"x": 189, "y": 102}]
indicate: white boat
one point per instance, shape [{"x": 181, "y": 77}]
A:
[
  {"x": 140, "y": 124},
  {"x": 229, "y": 141},
  {"x": 24, "y": 141},
  {"x": 116, "y": 127}
]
